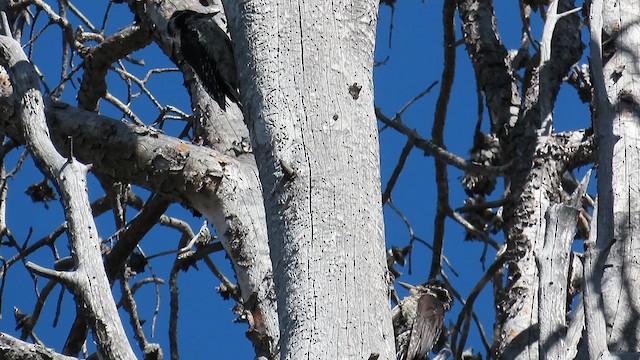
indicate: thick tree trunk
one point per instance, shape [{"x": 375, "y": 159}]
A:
[{"x": 306, "y": 79}]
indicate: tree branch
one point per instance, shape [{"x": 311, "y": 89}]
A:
[
  {"x": 553, "y": 267},
  {"x": 99, "y": 59},
  {"x": 440, "y": 153},
  {"x": 14, "y": 349},
  {"x": 90, "y": 283}
]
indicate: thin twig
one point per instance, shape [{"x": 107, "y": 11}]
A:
[
  {"x": 232, "y": 288},
  {"x": 56, "y": 318},
  {"x": 398, "y": 114},
  {"x": 47, "y": 240},
  {"x": 398, "y": 169},
  {"x": 27, "y": 328},
  {"x": 440, "y": 153},
  {"x": 124, "y": 108},
  {"x": 468, "y": 305},
  {"x": 81, "y": 16},
  {"x": 129, "y": 304},
  {"x": 473, "y": 230},
  {"x": 143, "y": 83}
]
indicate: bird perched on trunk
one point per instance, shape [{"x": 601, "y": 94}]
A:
[
  {"x": 418, "y": 319},
  {"x": 209, "y": 52}
]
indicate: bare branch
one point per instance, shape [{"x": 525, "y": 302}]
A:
[
  {"x": 396, "y": 172},
  {"x": 67, "y": 28},
  {"x": 173, "y": 306},
  {"x": 398, "y": 115},
  {"x": 150, "y": 351},
  {"x": 553, "y": 266},
  {"x": 70, "y": 178},
  {"x": 61, "y": 276},
  {"x": 14, "y": 349},
  {"x": 440, "y": 153},
  {"x": 458, "y": 347},
  {"x": 473, "y": 230},
  {"x": 133, "y": 234},
  {"x": 27, "y": 328},
  {"x": 124, "y": 108},
  {"x": 100, "y": 58}
]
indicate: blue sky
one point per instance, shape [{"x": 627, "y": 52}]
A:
[
  {"x": 415, "y": 60},
  {"x": 206, "y": 322}
]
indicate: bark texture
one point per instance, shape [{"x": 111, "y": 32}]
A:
[
  {"x": 88, "y": 282},
  {"x": 538, "y": 158},
  {"x": 618, "y": 190},
  {"x": 236, "y": 211},
  {"x": 16, "y": 349},
  {"x": 553, "y": 266},
  {"x": 306, "y": 80}
]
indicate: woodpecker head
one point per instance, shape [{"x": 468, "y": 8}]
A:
[
  {"x": 181, "y": 19},
  {"x": 434, "y": 288}
]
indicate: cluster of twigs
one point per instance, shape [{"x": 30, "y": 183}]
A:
[
  {"x": 88, "y": 52},
  {"x": 480, "y": 217}
]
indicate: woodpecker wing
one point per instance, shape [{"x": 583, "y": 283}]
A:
[
  {"x": 208, "y": 50},
  {"x": 192, "y": 40},
  {"x": 226, "y": 63},
  {"x": 426, "y": 327}
]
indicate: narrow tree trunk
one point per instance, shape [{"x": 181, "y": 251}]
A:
[{"x": 618, "y": 189}]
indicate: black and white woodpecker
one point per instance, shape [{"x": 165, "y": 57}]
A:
[
  {"x": 209, "y": 52},
  {"x": 418, "y": 319}
]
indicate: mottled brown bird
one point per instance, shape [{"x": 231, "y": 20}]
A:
[{"x": 418, "y": 319}]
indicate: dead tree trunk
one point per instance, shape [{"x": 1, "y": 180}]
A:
[
  {"x": 306, "y": 80},
  {"x": 618, "y": 130}
]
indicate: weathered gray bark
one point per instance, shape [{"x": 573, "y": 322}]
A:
[
  {"x": 539, "y": 157},
  {"x": 595, "y": 338},
  {"x": 618, "y": 176},
  {"x": 306, "y": 80},
  {"x": 223, "y": 184},
  {"x": 237, "y": 210},
  {"x": 16, "y": 349},
  {"x": 88, "y": 282},
  {"x": 220, "y": 183},
  {"x": 184, "y": 172},
  {"x": 553, "y": 266}
]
